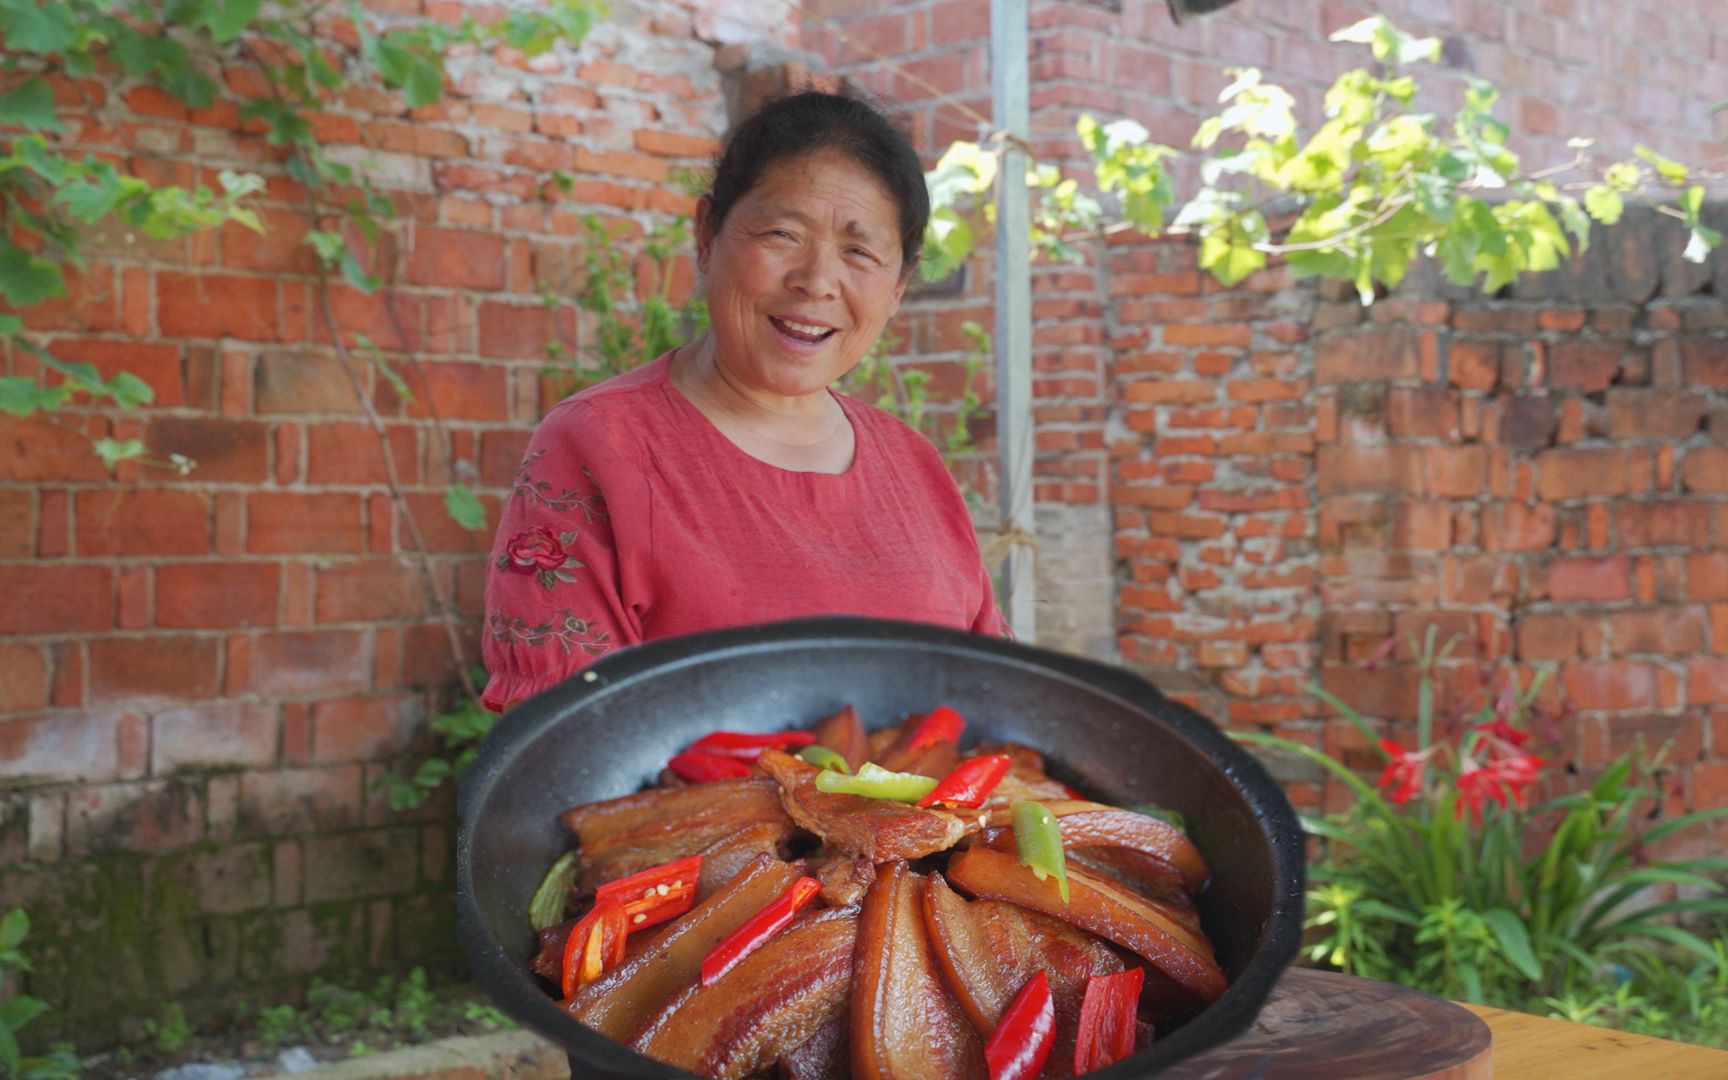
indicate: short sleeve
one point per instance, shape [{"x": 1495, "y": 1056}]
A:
[{"x": 555, "y": 598}]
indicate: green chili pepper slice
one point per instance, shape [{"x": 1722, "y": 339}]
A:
[
  {"x": 824, "y": 758},
  {"x": 877, "y": 783},
  {"x": 547, "y": 906},
  {"x": 1038, "y": 839}
]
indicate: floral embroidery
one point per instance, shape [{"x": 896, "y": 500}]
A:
[
  {"x": 543, "y": 553},
  {"x": 592, "y": 506},
  {"x": 564, "y": 628}
]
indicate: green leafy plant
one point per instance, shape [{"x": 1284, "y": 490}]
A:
[
  {"x": 394, "y": 1011},
  {"x": 17, "y": 1012},
  {"x": 1378, "y": 184},
  {"x": 1448, "y": 876},
  {"x": 460, "y": 730},
  {"x": 1663, "y": 995},
  {"x": 169, "y": 1033}
]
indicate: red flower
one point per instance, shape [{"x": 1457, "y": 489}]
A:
[
  {"x": 535, "y": 550},
  {"x": 1503, "y": 780},
  {"x": 1403, "y": 775},
  {"x": 1499, "y": 731}
]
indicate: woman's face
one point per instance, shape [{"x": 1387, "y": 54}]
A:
[{"x": 802, "y": 275}]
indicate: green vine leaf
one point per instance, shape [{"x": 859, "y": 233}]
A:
[
  {"x": 228, "y": 19},
  {"x": 27, "y": 278},
  {"x": 112, "y": 451},
  {"x": 31, "y": 105},
  {"x": 32, "y": 26},
  {"x": 464, "y": 508}
]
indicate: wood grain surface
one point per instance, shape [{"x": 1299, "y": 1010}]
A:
[
  {"x": 1320, "y": 1025},
  {"x": 1532, "y": 1047}
]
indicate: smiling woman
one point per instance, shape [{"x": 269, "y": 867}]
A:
[{"x": 725, "y": 483}]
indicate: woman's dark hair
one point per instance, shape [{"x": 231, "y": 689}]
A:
[{"x": 813, "y": 121}]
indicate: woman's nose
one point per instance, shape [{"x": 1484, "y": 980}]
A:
[{"x": 816, "y": 274}]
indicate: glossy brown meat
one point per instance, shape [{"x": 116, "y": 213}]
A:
[
  {"x": 843, "y": 733},
  {"x": 905, "y": 1024},
  {"x": 724, "y": 858},
  {"x": 775, "y": 999},
  {"x": 844, "y": 881},
  {"x": 624, "y": 835},
  {"x": 987, "y": 950},
  {"x": 826, "y": 1055},
  {"x": 1144, "y": 874},
  {"x": 1100, "y": 906},
  {"x": 874, "y": 829},
  {"x": 1086, "y": 825},
  {"x": 1025, "y": 779},
  {"x": 622, "y": 998}
]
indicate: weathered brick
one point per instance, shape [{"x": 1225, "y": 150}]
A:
[
  {"x": 213, "y": 736},
  {"x": 1707, "y": 682},
  {"x": 302, "y": 942},
  {"x": 67, "y": 599},
  {"x": 1571, "y": 474},
  {"x": 364, "y": 729},
  {"x": 370, "y": 590},
  {"x": 310, "y": 662},
  {"x": 143, "y": 521},
  {"x": 462, "y": 259},
  {"x": 1653, "y": 414},
  {"x": 150, "y": 815},
  {"x": 210, "y": 595},
  {"x": 159, "y": 666},
  {"x": 1390, "y": 469},
  {"x": 1609, "y": 686},
  {"x": 1547, "y": 636},
  {"x": 302, "y": 382},
  {"x": 296, "y": 522},
  {"x": 350, "y": 453},
  {"x": 218, "y": 306},
  {"x": 1585, "y": 579},
  {"x": 80, "y": 745},
  {"x": 1665, "y": 523},
  {"x": 1368, "y": 355},
  {"x": 378, "y": 863},
  {"x": 224, "y": 882},
  {"x": 1705, "y": 469},
  {"x": 1670, "y": 632},
  {"x": 283, "y": 801},
  {"x": 23, "y": 677}
]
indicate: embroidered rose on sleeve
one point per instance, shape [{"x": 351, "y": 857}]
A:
[{"x": 543, "y": 553}]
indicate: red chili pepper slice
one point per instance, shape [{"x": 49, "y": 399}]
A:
[
  {"x": 938, "y": 725},
  {"x": 699, "y": 768},
  {"x": 1107, "y": 1015},
  {"x": 757, "y": 929},
  {"x": 1020, "y": 1044},
  {"x": 970, "y": 782},
  {"x": 652, "y": 896},
  {"x": 749, "y": 747},
  {"x": 597, "y": 942}
]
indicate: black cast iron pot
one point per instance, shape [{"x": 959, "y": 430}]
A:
[{"x": 1112, "y": 735}]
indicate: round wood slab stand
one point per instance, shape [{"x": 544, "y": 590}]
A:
[{"x": 1320, "y": 1025}]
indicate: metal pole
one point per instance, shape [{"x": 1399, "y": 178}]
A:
[{"x": 1009, "y": 99}]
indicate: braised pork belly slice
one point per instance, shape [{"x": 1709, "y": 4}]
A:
[
  {"x": 1094, "y": 825},
  {"x": 774, "y": 1000},
  {"x": 905, "y": 1023},
  {"x": 726, "y": 857},
  {"x": 621, "y": 836},
  {"x": 826, "y": 1055},
  {"x": 988, "y": 949},
  {"x": 845, "y": 880},
  {"x": 618, "y": 1002},
  {"x": 843, "y": 733},
  {"x": 873, "y": 829},
  {"x": 1102, "y": 907}
]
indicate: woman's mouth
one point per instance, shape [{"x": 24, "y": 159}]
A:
[{"x": 802, "y": 333}]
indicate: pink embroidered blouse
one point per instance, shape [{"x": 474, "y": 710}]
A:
[{"x": 633, "y": 517}]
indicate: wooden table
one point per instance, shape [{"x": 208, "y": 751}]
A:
[
  {"x": 1321, "y": 1025},
  {"x": 1528, "y": 1047}
]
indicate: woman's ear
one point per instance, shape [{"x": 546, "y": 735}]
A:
[{"x": 705, "y": 226}]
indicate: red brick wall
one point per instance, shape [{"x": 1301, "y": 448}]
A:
[
  {"x": 1288, "y": 478},
  {"x": 200, "y": 676}
]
